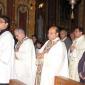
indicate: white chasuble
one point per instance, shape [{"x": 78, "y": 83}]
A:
[
  {"x": 55, "y": 62},
  {"x": 75, "y": 56},
  {"x": 25, "y": 59},
  {"x": 6, "y": 57}
]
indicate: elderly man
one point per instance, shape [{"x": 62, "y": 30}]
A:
[
  {"x": 25, "y": 67},
  {"x": 54, "y": 54},
  {"x": 65, "y": 38},
  {"x": 75, "y": 53},
  {"x": 6, "y": 51}
]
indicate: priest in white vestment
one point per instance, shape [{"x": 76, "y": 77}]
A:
[
  {"x": 25, "y": 67},
  {"x": 6, "y": 52},
  {"x": 75, "y": 53},
  {"x": 55, "y": 61}
]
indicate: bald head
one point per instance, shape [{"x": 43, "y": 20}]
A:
[
  {"x": 55, "y": 28},
  {"x": 19, "y": 30},
  {"x": 19, "y": 34},
  {"x": 53, "y": 33}
]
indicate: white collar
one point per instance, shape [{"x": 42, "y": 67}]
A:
[
  {"x": 80, "y": 38},
  {"x": 64, "y": 39},
  {"x": 55, "y": 40}
]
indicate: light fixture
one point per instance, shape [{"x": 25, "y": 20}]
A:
[
  {"x": 41, "y": 5},
  {"x": 73, "y": 3}
]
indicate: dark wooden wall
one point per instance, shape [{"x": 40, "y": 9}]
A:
[{"x": 58, "y": 12}]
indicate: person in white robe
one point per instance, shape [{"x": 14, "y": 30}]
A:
[
  {"x": 64, "y": 37},
  {"x": 25, "y": 59},
  {"x": 39, "y": 63},
  {"x": 6, "y": 52},
  {"x": 54, "y": 54},
  {"x": 75, "y": 53}
]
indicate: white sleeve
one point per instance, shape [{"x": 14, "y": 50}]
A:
[
  {"x": 27, "y": 54},
  {"x": 41, "y": 50},
  {"x": 31, "y": 53},
  {"x": 57, "y": 58},
  {"x": 63, "y": 62},
  {"x": 6, "y": 48}
]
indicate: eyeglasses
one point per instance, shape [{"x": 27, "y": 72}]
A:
[{"x": 2, "y": 21}]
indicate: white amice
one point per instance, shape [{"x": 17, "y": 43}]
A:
[{"x": 55, "y": 62}]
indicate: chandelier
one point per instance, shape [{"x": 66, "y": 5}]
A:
[{"x": 73, "y": 3}]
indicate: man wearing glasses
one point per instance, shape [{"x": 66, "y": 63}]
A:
[{"x": 6, "y": 51}]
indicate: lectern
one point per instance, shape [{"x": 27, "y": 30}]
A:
[{"x": 65, "y": 81}]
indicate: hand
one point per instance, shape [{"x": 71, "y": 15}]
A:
[
  {"x": 16, "y": 58},
  {"x": 81, "y": 76},
  {"x": 72, "y": 48},
  {"x": 40, "y": 55}
]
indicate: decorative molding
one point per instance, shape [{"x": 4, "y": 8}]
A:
[
  {"x": 3, "y": 6},
  {"x": 23, "y": 8},
  {"x": 29, "y": 7}
]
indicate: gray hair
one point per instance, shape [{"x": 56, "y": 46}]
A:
[{"x": 20, "y": 30}]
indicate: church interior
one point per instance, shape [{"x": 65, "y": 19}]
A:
[{"x": 36, "y": 16}]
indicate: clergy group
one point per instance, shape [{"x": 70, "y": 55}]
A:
[{"x": 30, "y": 63}]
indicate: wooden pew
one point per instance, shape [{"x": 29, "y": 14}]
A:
[
  {"x": 16, "y": 82},
  {"x": 65, "y": 81}
]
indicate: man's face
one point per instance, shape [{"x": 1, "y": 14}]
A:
[
  {"x": 77, "y": 33},
  {"x": 63, "y": 34},
  {"x": 3, "y": 24},
  {"x": 34, "y": 39},
  {"x": 52, "y": 34},
  {"x": 72, "y": 36},
  {"x": 19, "y": 36}
]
